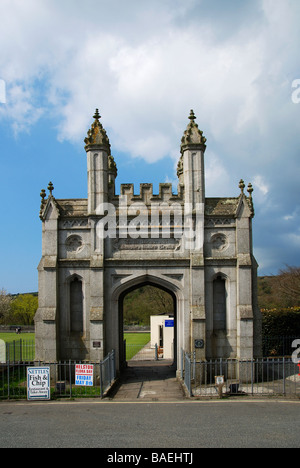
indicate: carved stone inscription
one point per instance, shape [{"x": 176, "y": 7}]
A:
[{"x": 146, "y": 244}]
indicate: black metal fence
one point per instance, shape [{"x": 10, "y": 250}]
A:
[
  {"x": 255, "y": 377},
  {"x": 13, "y": 378},
  {"x": 272, "y": 346},
  {"x": 20, "y": 350}
]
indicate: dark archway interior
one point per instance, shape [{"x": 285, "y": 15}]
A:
[{"x": 123, "y": 363}]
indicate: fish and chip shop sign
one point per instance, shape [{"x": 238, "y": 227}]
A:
[
  {"x": 38, "y": 383},
  {"x": 84, "y": 375}
]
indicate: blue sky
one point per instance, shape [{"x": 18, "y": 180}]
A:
[{"x": 145, "y": 64}]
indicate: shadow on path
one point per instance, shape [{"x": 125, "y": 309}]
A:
[{"x": 149, "y": 381}]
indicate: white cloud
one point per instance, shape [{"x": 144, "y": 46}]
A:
[
  {"x": 20, "y": 107},
  {"x": 294, "y": 238},
  {"x": 144, "y": 68},
  {"x": 146, "y": 64},
  {"x": 260, "y": 183},
  {"x": 217, "y": 179},
  {"x": 2, "y": 92}
]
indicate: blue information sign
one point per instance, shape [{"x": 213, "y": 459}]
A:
[{"x": 169, "y": 323}]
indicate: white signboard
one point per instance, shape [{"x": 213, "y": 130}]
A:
[
  {"x": 84, "y": 374},
  {"x": 219, "y": 379},
  {"x": 38, "y": 383},
  {"x": 2, "y": 352}
]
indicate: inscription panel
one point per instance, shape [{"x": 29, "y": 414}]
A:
[{"x": 146, "y": 244}]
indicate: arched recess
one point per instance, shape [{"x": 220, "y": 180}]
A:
[
  {"x": 219, "y": 303},
  {"x": 118, "y": 297},
  {"x": 220, "y": 320},
  {"x": 72, "y": 319},
  {"x": 76, "y": 306}
]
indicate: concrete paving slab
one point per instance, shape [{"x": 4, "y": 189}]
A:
[{"x": 149, "y": 381}]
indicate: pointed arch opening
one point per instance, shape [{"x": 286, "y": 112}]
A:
[
  {"x": 148, "y": 309},
  {"x": 219, "y": 345},
  {"x": 72, "y": 324},
  {"x": 219, "y": 304},
  {"x": 76, "y": 306}
]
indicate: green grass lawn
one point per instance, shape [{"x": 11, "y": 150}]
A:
[
  {"x": 137, "y": 338},
  {"x": 17, "y": 374},
  {"x": 21, "y": 347},
  {"x": 135, "y": 342},
  {"x": 131, "y": 338},
  {"x": 9, "y": 337}
]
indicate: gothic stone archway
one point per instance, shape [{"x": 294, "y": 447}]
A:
[
  {"x": 181, "y": 242},
  {"x": 146, "y": 280}
]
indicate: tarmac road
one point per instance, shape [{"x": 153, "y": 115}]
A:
[{"x": 145, "y": 424}]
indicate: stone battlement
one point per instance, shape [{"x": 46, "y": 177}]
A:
[{"x": 146, "y": 195}]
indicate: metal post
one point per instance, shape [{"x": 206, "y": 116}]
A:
[
  {"x": 113, "y": 363},
  {"x": 156, "y": 352},
  {"x": 8, "y": 378},
  {"x": 110, "y": 368},
  {"x": 194, "y": 365},
  {"x": 70, "y": 377},
  {"x": 181, "y": 363},
  {"x": 252, "y": 376},
  {"x": 283, "y": 365},
  {"x": 101, "y": 381}
]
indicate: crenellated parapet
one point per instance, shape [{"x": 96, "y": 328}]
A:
[{"x": 147, "y": 196}]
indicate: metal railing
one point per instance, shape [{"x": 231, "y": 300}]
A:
[
  {"x": 141, "y": 351},
  {"x": 188, "y": 373},
  {"x": 13, "y": 378},
  {"x": 273, "y": 346},
  {"x": 107, "y": 372},
  {"x": 20, "y": 350},
  {"x": 265, "y": 376}
]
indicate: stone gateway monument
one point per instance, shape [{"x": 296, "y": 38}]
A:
[{"x": 96, "y": 250}]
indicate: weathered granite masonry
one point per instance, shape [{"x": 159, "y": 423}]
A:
[{"x": 97, "y": 249}]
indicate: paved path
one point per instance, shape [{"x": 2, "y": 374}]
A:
[
  {"x": 145, "y": 354},
  {"x": 149, "y": 381}
]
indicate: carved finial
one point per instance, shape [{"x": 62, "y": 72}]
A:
[
  {"x": 250, "y": 190},
  {"x": 96, "y": 135},
  {"x": 97, "y": 116},
  {"x": 242, "y": 185},
  {"x": 112, "y": 167},
  {"x": 43, "y": 196},
  {"x": 192, "y": 135},
  {"x": 50, "y": 188},
  {"x": 192, "y": 115}
]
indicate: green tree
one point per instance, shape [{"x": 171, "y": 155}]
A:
[
  {"x": 288, "y": 286},
  {"x": 281, "y": 291},
  {"x": 5, "y": 306},
  {"x": 145, "y": 301},
  {"x": 23, "y": 309}
]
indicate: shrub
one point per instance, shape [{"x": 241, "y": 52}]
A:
[{"x": 281, "y": 322}]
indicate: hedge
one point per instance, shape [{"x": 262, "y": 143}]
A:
[{"x": 281, "y": 322}]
